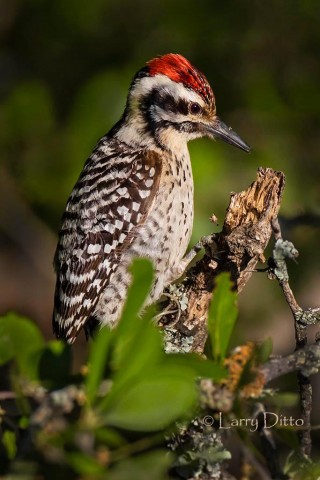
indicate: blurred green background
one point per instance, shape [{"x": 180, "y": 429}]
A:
[{"x": 65, "y": 67}]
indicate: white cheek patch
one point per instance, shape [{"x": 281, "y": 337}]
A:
[
  {"x": 176, "y": 90},
  {"x": 147, "y": 84},
  {"x": 137, "y": 122}
]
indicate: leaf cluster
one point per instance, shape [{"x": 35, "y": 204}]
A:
[
  {"x": 112, "y": 416},
  {"x": 117, "y": 416}
]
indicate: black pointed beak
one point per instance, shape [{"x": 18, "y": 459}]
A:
[{"x": 218, "y": 129}]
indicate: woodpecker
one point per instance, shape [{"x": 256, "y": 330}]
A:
[{"x": 134, "y": 197}]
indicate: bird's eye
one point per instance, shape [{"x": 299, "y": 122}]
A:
[{"x": 195, "y": 108}]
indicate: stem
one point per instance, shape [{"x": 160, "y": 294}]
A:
[{"x": 305, "y": 387}]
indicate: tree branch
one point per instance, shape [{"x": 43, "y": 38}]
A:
[
  {"x": 237, "y": 249},
  {"x": 249, "y": 223},
  {"x": 283, "y": 250}
]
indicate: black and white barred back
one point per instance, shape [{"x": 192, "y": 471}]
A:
[{"x": 111, "y": 198}]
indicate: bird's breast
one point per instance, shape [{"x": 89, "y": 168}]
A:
[{"x": 166, "y": 232}]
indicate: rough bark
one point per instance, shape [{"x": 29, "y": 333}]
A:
[{"x": 237, "y": 249}]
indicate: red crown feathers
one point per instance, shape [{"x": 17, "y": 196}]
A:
[{"x": 180, "y": 70}]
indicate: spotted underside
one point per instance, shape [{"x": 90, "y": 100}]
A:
[{"x": 110, "y": 201}]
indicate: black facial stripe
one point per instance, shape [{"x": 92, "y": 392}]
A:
[
  {"x": 187, "y": 127},
  {"x": 158, "y": 97},
  {"x": 161, "y": 98}
]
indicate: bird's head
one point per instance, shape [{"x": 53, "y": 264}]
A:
[{"x": 171, "y": 102}]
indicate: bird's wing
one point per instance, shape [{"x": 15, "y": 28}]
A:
[{"x": 110, "y": 200}]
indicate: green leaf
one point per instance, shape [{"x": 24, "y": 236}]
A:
[
  {"x": 154, "y": 401},
  {"x": 143, "y": 467},
  {"x": 211, "y": 455},
  {"x": 132, "y": 321},
  {"x": 133, "y": 330},
  {"x": 84, "y": 464},
  {"x": 140, "y": 354},
  {"x": 24, "y": 422},
  {"x": 9, "y": 442},
  {"x": 142, "y": 273},
  {"x": 189, "y": 461},
  {"x": 222, "y": 316},
  {"x": 264, "y": 351},
  {"x": 98, "y": 357},
  {"x": 109, "y": 437},
  {"x": 202, "y": 367},
  {"x": 284, "y": 399},
  {"x": 138, "y": 344},
  {"x": 300, "y": 467},
  {"x": 21, "y": 340}
]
